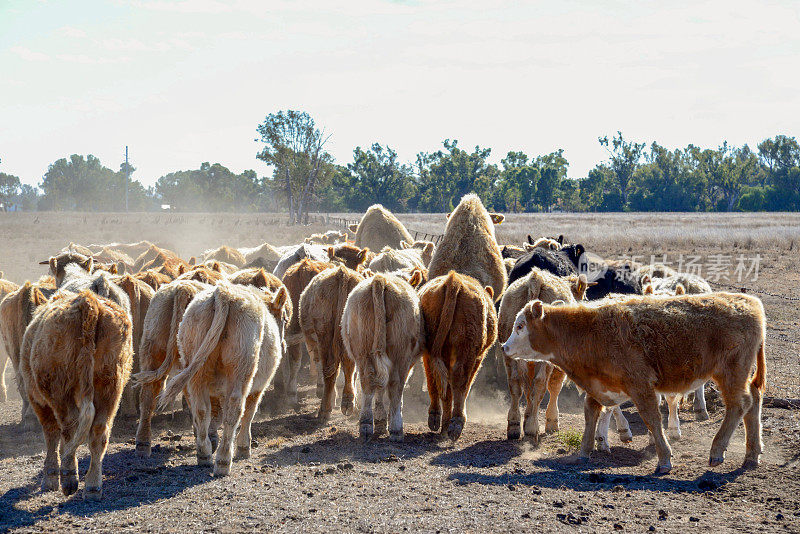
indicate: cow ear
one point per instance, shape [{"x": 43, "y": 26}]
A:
[
  {"x": 38, "y": 297},
  {"x": 362, "y": 256},
  {"x": 88, "y": 264},
  {"x": 53, "y": 264},
  {"x": 181, "y": 269},
  {"x": 428, "y": 248},
  {"x": 215, "y": 266},
  {"x": 113, "y": 268},
  {"x": 331, "y": 253},
  {"x": 193, "y": 261},
  {"x": 536, "y": 310},
  {"x": 278, "y": 300},
  {"x": 353, "y": 228},
  {"x": 579, "y": 250},
  {"x": 581, "y": 284},
  {"x": 558, "y": 302},
  {"x": 489, "y": 291},
  {"x": 648, "y": 289},
  {"x": 646, "y": 279},
  {"x": 680, "y": 290},
  {"x": 530, "y": 239},
  {"x": 404, "y": 245},
  {"x": 416, "y": 278},
  {"x": 497, "y": 218},
  {"x": 561, "y": 239},
  {"x": 367, "y": 273},
  {"x": 45, "y": 262},
  {"x": 448, "y": 215}
]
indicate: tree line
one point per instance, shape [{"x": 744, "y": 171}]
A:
[{"x": 304, "y": 177}]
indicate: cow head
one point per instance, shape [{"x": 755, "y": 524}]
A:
[
  {"x": 57, "y": 264},
  {"x": 529, "y": 339}
]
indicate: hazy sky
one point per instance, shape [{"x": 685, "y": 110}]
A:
[{"x": 182, "y": 82}]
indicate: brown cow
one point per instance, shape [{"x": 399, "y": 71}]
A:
[
  {"x": 296, "y": 279},
  {"x": 321, "y": 305},
  {"x": 534, "y": 378},
  {"x": 469, "y": 246},
  {"x": 461, "y": 326},
  {"x": 6, "y": 287},
  {"x": 139, "y": 294},
  {"x": 158, "y": 350},
  {"x": 637, "y": 348},
  {"x": 348, "y": 255},
  {"x": 379, "y": 228},
  {"x": 153, "y": 279},
  {"x": 383, "y": 334},
  {"x": 230, "y": 347},
  {"x": 75, "y": 359},
  {"x": 203, "y": 273},
  {"x": 155, "y": 257}
]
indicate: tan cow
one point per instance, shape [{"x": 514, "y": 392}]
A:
[
  {"x": 16, "y": 312},
  {"x": 383, "y": 334},
  {"x": 534, "y": 378},
  {"x": 226, "y": 254},
  {"x": 264, "y": 255},
  {"x": 331, "y": 237},
  {"x": 321, "y": 306},
  {"x": 643, "y": 346},
  {"x": 155, "y": 257},
  {"x": 469, "y": 246},
  {"x": 230, "y": 346},
  {"x": 59, "y": 262},
  {"x": 461, "y": 326},
  {"x": 379, "y": 228},
  {"x": 75, "y": 359},
  {"x": 416, "y": 255},
  {"x": 207, "y": 274},
  {"x": 6, "y": 287},
  {"x": 158, "y": 350},
  {"x": 153, "y": 279}
]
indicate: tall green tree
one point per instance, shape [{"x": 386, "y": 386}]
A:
[{"x": 624, "y": 157}]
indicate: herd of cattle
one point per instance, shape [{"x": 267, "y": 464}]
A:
[{"x": 222, "y": 327}]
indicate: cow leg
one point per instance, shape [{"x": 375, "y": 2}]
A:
[
  {"x": 232, "y": 415},
  {"x": 244, "y": 439},
  {"x": 69, "y": 464},
  {"x": 98, "y": 443},
  {"x": 348, "y": 392},
  {"x": 200, "y": 405},
  {"x": 647, "y": 405},
  {"x": 623, "y": 428},
  {"x": 534, "y": 395},
  {"x": 737, "y": 403},
  {"x": 381, "y": 401},
  {"x": 52, "y": 434},
  {"x": 127, "y": 405},
  {"x": 591, "y": 412},
  {"x": 330, "y": 373},
  {"x": 216, "y": 421},
  {"x": 515, "y": 391},
  {"x": 3, "y": 365},
  {"x": 147, "y": 398},
  {"x": 673, "y": 423},
  {"x": 602, "y": 430},
  {"x": 292, "y": 370},
  {"x": 395, "y": 393},
  {"x": 366, "y": 427},
  {"x": 752, "y": 428},
  {"x": 554, "y": 385},
  {"x": 435, "y": 408},
  {"x": 700, "y": 411},
  {"x": 447, "y": 410}
]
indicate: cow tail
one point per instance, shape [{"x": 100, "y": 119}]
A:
[
  {"x": 760, "y": 377},
  {"x": 198, "y": 359},
  {"x": 84, "y": 365},
  {"x": 448, "y": 311},
  {"x": 379, "y": 360},
  {"x": 179, "y": 304},
  {"x": 341, "y": 277}
]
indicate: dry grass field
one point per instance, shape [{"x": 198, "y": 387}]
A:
[{"x": 304, "y": 475}]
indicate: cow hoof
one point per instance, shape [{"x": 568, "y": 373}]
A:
[
  {"x": 69, "y": 484},
  {"x": 533, "y": 437},
  {"x": 347, "y": 408},
  {"x": 602, "y": 445},
  {"x": 143, "y": 450},
  {"x": 396, "y": 436},
  {"x": 714, "y": 461},
  {"x": 214, "y": 442},
  {"x": 454, "y": 429},
  {"x": 204, "y": 461},
  {"x": 626, "y": 436},
  {"x": 222, "y": 469},
  {"x": 513, "y": 431},
  {"x": 701, "y": 415},
  {"x": 323, "y": 416},
  {"x": 663, "y": 469},
  {"x": 675, "y": 433},
  {"x": 92, "y": 494},
  {"x": 50, "y": 482},
  {"x": 434, "y": 421},
  {"x": 751, "y": 463},
  {"x": 365, "y": 431},
  {"x": 551, "y": 425},
  {"x": 381, "y": 427},
  {"x": 242, "y": 453}
]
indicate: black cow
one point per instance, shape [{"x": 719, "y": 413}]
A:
[
  {"x": 562, "y": 262},
  {"x": 614, "y": 280}
]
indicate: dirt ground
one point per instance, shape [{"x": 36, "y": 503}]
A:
[{"x": 303, "y": 475}]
